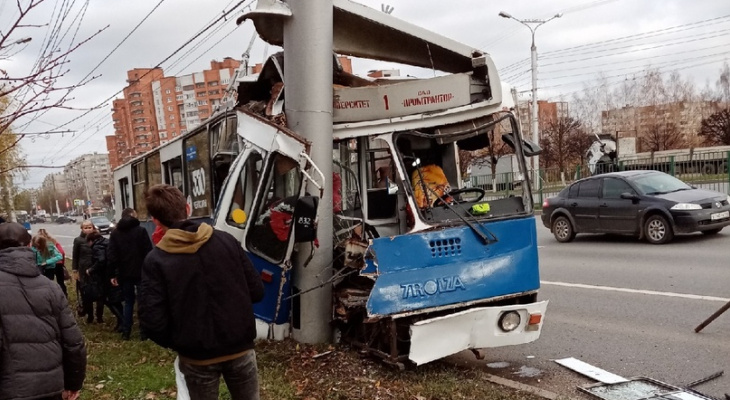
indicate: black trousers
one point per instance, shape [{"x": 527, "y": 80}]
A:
[{"x": 57, "y": 273}]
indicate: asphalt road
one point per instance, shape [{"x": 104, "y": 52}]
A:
[
  {"x": 64, "y": 233},
  {"x": 627, "y": 307}
]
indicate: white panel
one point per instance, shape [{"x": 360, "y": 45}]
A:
[
  {"x": 436, "y": 338},
  {"x": 590, "y": 371}
]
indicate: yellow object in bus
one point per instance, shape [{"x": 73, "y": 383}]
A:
[{"x": 480, "y": 209}]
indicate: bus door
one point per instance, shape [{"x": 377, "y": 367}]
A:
[{"x": 266, "y": 183}]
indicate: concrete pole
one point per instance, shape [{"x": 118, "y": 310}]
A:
[
  {"x": 308, "y": 85},
  {"x": 535, "y": 124}
]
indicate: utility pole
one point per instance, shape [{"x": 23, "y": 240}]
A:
[
  {"x": 308, "y": 80},
  {"x": 532, "y": 25}
]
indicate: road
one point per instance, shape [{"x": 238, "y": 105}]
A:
[
  {"x": 627, "y": 307},
  {"x": 64, "y": 233}
]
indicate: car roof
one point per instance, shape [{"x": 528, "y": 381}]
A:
[{"x": 622, "y": 174}]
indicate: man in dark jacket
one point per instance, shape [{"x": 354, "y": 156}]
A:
[
  {"x": 42, "y": 351},
  {"x": 196, "y": 298},
  {"x": 129, "y": 244}
]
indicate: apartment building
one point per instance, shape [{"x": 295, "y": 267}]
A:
[
  {"x": 89, "y": 177},
  {"x": 156, "y": 109},
  {"x": 547, "y": 112},
  {"x": 631, "y": 125}
]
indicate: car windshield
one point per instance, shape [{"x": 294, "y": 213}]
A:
[
  {"x": 659, "y": 183},
  {"x": 100, "y": 220}
]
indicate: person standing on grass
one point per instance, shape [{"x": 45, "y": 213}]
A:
[
  {"x": 196, "y": 298},
  {"x": 129, "y": 244},
  {"x": 42, "y": 350},
  {"x": 46, "y": 256},
  {"x": 81, "y": 261},
  {"x": 100, "y": 274},
  {"x": 60, "y": 270}
]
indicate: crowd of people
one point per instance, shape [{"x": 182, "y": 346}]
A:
[{"x": 194, "y": 288}]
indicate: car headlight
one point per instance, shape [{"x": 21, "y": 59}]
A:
[
  {"x": 111, "y": 225},
  {"x": 686, "y": 206},
  {"x": 509, "y": 321}
]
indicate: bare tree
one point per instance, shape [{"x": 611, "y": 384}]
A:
[
  {"x": 559, "y": 146},
  {"x": 662, "y": 136},
  {"x": 39, "y": 89},
  {"x": 715, "y": 130}
]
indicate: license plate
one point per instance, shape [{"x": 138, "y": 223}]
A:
[{"x": 722, "y": 215}]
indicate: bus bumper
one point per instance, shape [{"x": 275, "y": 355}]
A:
[{"x": 476, "y": 328}]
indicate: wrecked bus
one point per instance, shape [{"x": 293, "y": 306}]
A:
[{"x": 423, "y": 266}]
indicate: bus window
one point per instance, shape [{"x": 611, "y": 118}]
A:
[
  {"x": 245, "y": 190},
  {"x": 269, "y": 236},
  {"x": 197, "y": 173},
  {"x": 154, "y": 170},
  {"x": 173, "y": 173},
  {"x": 381, "y": 205},
  {"x": 124, "y": 193},
  {"x": 139, "y": 187}
]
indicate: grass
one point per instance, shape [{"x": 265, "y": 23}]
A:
[{"x": 287, "y": 370}]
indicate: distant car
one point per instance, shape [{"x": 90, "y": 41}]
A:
[
  {"x": 102, "y": 224},
  {"x": 37, "y": 220},
  {"x": 65, "y": 220},
  {"x": 647, "y": 204}
]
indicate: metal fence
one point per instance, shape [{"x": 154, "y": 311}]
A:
[{"x": 705, "y": 170}]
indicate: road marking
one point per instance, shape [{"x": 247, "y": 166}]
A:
[{"x": 637, "y": 291}]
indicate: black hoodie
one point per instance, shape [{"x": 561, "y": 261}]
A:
[
  {"x": 129, "y": 244},
  {"x": 197, "y": 291}
]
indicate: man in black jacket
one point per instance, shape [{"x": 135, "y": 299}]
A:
[
  {"x": 42, "y": 351},
  {"x": 129, "y": 244},
  {"x": 197, "y": 294}
]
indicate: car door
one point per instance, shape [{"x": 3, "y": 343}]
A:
[
  {"x": 617, "y": 215},
  {"x": 584, "y": 207}
]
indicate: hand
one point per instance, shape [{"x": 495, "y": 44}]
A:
[
  {"x": 70, "y": 394},
  {"x": 43, "y": 264},
  {"x": 114, "y": 282},
  {"x": 75, "y": 274}
]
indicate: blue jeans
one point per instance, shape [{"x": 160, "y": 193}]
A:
[
  {"x": 130, "y": 287},
  {"x": 240, "y": 375}
]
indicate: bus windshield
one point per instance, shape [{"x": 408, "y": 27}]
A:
[{"x": 439, "y": 164}]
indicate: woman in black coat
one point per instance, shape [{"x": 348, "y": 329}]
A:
[
  {"x": 82, "y": 260},
  {"x": 99, "y": 273}
]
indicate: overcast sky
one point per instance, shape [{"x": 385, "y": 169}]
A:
[{"x": 618, "y": 38}]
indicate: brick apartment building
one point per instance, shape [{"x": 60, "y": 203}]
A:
[
  {"x": 547, "y": 112},
  {"x": 156, "y": 108},
  {"x": 631, "y": 124}
]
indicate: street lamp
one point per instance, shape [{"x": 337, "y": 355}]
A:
[{"x": 532, "y": 25}]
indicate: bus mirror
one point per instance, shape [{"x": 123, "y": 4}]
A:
[
  {"x": 305, "y": 216},
  {"x": 529, "y": 148},
  {"x": 391, "y": 186}
]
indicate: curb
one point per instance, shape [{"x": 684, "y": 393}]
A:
[{"x": 546, "y": 394}]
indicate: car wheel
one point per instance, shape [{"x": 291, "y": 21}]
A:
[
  {"x": 563, "y": 230},
  {"x": 657, "y": 230},
  {"x": 712, "y": 231}
]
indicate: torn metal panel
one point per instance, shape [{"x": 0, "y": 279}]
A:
[
  {"x": 361, "y": 31},
  {"x": 435, "y": 338}
]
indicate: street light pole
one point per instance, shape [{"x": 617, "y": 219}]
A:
[{"x": 532, "y": 25}]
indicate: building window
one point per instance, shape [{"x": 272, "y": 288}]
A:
[
  {"x": 167, "y": 91},
  {"x": 213, "y": 83},
  {"x": 172, "y": 117},
  {"x": 169, "y": 108},
  {"x": 213, "y": 92},
  {"x": 200, "y": 94}
]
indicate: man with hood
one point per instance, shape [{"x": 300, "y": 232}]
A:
[
  {"x": 129, "y": 244},
  {"x": 42, "y": 350},
  {"x": 196, "y": 298}
]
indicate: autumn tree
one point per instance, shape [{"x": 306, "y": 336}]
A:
[
  {"x": 662, "y": 136},
  {"x": 715, "y": 130}
]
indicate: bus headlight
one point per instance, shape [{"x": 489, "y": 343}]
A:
[{"x": 509, "y": 321}]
